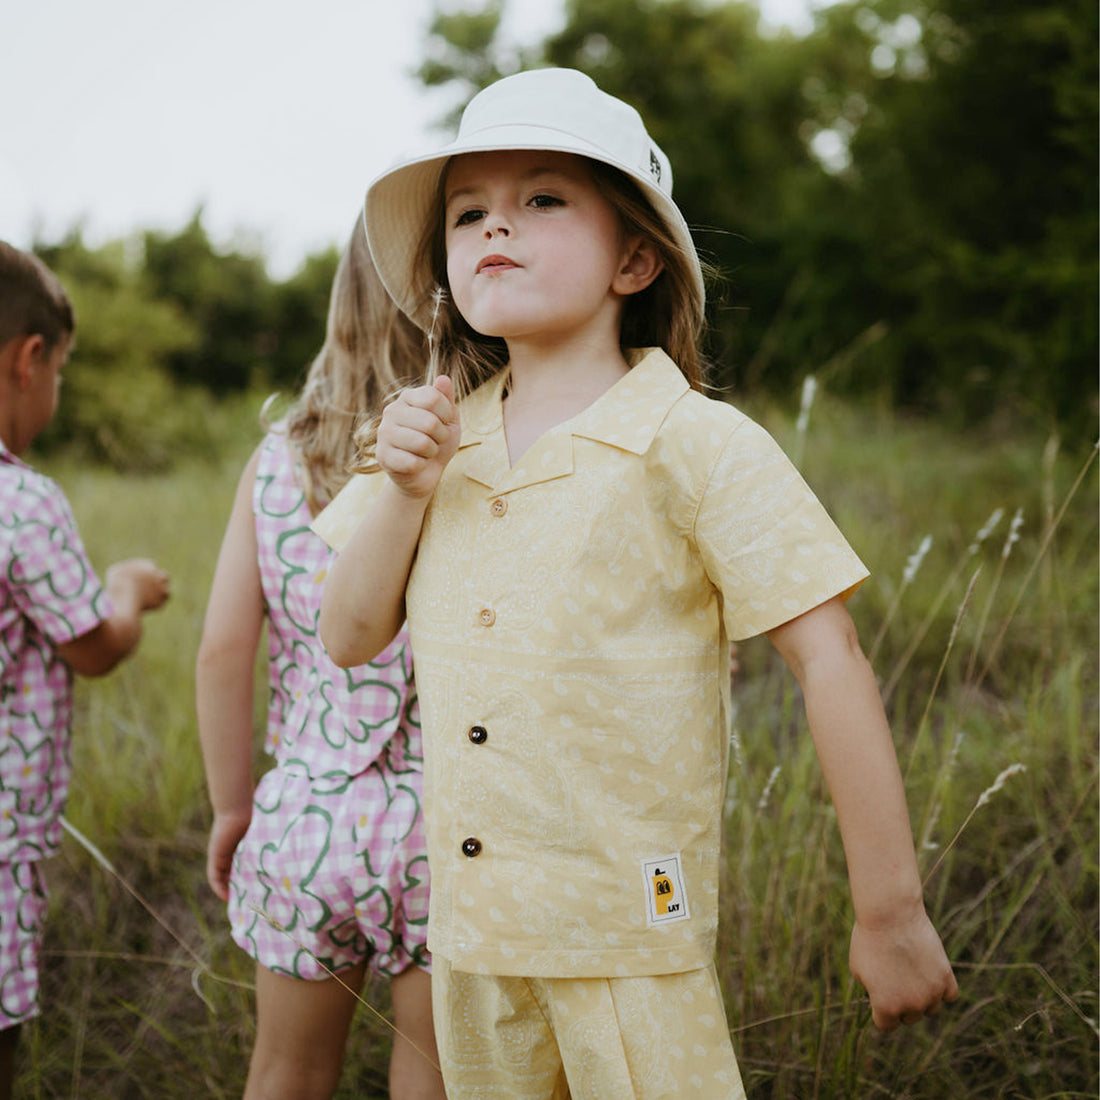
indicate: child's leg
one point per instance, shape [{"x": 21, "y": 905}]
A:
[
  {"x": 301, "y": 1031},
  {"x": 9, "y": 1039},
  {"x": 495, "y": 1040},
  {"x": 414, "y": 1064}
]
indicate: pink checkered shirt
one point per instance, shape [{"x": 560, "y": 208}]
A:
[
  {"x": 322, "y": 720},
  {"x": 49, "y": 595}
]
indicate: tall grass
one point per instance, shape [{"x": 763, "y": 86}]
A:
[{"x": 994, "y": 708}]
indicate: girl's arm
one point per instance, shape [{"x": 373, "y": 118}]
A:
[
  {"x": 363, "y": 603},
  {"x": 224, "y": 675},
  {"x": 895, "y": 952}
]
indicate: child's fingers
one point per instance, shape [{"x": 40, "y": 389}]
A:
[
  {"x": 447, "y": 388},
  {"x": 436, "y": 398},
  {"x": 406, "y": 441},
  {"x": 413, "y": 418}
]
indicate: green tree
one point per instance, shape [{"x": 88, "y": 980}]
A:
[
  {"x": 300, "y": 307},
  {"x": 904, "y": 199},
  {"x": 229, "y": 298},
  {"x": 119, "y": 402},
  {"x": 972, "y": 189}
]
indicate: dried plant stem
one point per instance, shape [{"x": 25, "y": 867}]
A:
[
  {"x": 987, "y": 609},
  {"x": 200, "y": 966},
  {"x": 922, "y": 631},
  {"x": 930, "y": 813},
  {"x": 845, "y": 1007},
  {"x": 912, "y": 567},
  {"x": 922, "y": 725},
  {"x": 1058, "y": 991},
  {"x": 1048, "y": 537},
  {"x": 983, "y": 798}
]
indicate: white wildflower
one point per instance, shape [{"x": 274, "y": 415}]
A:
[
  {"x": 986, "y": 530},
  {"x": 1013, "y": 532},
  {"x": 762, "y": 805},
  {"x": 438, "y": 296},
  {"x": 953, "y": 758},
  {"x": 914, "y": 561},
  {"x": 998, "y": 783},
  {"x": 809, "y": 392}
]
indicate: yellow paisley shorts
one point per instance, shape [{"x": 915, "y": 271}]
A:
[{"x": 656, "y": 1038}]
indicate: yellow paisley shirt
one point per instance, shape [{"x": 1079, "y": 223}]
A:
[{"x": 569, "y": 619}]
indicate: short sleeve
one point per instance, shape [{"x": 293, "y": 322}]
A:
[
  {"x": 50, "y": 578},
  {"x": 337, "y": 522},
  {"x": 766, "y": 542}
]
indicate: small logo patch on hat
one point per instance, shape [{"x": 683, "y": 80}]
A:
[
  {"x": 654, "y": 165},
  {"x": 665, "y": 897}
]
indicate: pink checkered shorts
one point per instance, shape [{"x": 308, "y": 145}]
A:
[
  {"x": 22, "y": 918},
  {"x": 331, "y": 872}
]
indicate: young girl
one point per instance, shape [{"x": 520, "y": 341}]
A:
[
  {"x": 324, "y": 868},
  {"x": 573, "y": 559}
]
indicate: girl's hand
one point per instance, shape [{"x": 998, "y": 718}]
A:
[
  {"x": 225, "y": 834},
  {"x": 419, "y": 434},
  {"x": 904, "y": 968}
]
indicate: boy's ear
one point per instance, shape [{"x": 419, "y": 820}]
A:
[
  {"x": 26, "y": 354},
  {"x": 641, "y": 266}
]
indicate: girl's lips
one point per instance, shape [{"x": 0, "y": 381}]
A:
[{"x": 495, "y": 263}]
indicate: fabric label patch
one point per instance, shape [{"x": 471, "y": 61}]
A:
[{"x": 665, "y": 897}]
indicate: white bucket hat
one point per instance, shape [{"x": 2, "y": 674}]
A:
[{"x": 559, "y": 110}]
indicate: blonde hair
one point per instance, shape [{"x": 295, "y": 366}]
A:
[
  {"x": 667, "y": 314},
  {"x": 371, "y": 350}
]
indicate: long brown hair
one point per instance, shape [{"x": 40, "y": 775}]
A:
[
  {"x": 371, "y": 350},
  {"x": 667, "y": 314}
]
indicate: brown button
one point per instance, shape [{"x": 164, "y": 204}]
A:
[
  {"x": 499, "y": 506},
  {"x": 486, "y": 616},
  {"x": 471, "y": 847},
  {"x": 478, "y": 734}
]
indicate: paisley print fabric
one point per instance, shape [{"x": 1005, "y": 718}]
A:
[
  {"x": 49, "y": 595},
  {"x": 333, "y": 867},
  {"x": 656, "y": 1038},
  {"x": 570, "y": 617}
]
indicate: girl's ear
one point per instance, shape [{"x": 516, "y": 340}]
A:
[{"x": 641, "y": 265}]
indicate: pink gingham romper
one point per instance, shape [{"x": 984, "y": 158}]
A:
[
  {"x": 333, "y": 867},
  {"x": 49, "y": 595}
]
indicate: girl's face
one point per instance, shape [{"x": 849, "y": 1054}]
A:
[{"x": 533, "y": 249}]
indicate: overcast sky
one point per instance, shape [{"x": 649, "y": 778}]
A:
[{"x": 273, "y": 114}]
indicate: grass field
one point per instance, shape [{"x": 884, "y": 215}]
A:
[{"x": 987, "y": 653}]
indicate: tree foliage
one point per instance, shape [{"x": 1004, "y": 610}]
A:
[
  {"x": 903, "y": 200},
  {"x": 167, "y": 326}
]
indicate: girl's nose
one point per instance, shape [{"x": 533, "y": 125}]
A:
[{"x": 496, "y": 225}]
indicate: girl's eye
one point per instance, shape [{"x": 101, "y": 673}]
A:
[
  {"x": 543, "y": 202},
  {"x": 469, "y": 217}
]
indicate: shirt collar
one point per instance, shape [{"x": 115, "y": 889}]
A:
[{"x": 627, "y": 416}]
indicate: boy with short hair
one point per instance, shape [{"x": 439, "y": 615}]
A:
[{"x": 55, "y": 619}]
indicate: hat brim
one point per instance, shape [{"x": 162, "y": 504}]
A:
[{"x": 398, "y": 209}]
